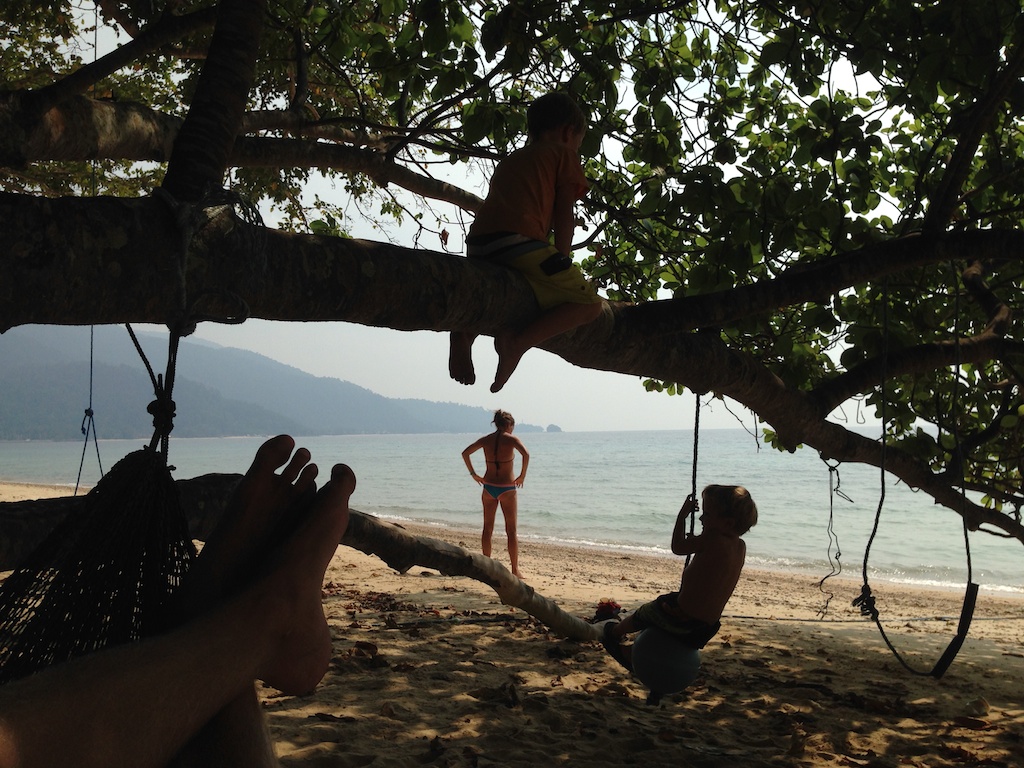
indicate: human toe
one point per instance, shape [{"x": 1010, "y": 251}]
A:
[{"x": 274, "y": 453}]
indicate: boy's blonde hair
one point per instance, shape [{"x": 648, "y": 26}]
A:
[
  {"x": 735, "y": 502},
  {"x": 553, "y": 110}
]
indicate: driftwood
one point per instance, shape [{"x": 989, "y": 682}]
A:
[{"x": 24, "y": 524}]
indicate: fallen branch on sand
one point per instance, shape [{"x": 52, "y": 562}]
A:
[
  {"x": 25, "y": 523},
  {"x": 401, "y": 551}
]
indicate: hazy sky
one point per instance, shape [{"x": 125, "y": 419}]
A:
[{"x": 544, "y": 389}]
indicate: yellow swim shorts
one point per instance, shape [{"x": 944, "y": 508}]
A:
[{"x": 554, "y": 277}]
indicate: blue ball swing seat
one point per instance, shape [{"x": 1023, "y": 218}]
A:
[{"x": 663, "y": 664}]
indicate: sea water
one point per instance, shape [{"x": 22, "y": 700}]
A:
[{"x": 616, "y": 490}]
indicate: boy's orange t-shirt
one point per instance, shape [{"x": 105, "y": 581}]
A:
[{"x": 521, "y": 197}]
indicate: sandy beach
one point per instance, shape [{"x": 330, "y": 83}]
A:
[{"x": 434, "y": 670}]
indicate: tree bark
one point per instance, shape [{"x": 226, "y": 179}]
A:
[{"x": 200, "y": 155}]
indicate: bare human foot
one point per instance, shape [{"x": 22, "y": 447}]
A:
[
  {"x": 251, "y": 517},
  {"x": 510, "y": 352},
  {"x": 304, "y": 652},
  {"x": 460, "y": 357},
  {"x": 265, "y": 507}
]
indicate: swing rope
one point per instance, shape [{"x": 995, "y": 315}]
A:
[
  {"x": 691, "y": 523},
  {"x": 89, "y": 420},
  {"x": 866, "y": 600},
  {"x": 696, "y": 443},
  {"x": 833, "y": 552}
]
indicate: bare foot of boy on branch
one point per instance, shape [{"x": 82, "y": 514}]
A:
[{"x": 460, "y": 357}]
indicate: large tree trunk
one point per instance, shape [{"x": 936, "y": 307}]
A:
[
  {"x": 26, "y": 523},
  {"x": 201, "y": 151}
]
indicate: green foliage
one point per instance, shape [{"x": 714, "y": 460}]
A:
[
  {"x": 729, "y": 143},
  {"x": 38, "y": 43}
]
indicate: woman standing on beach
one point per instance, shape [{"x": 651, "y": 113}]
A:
[{"x": 499, "y": 482}]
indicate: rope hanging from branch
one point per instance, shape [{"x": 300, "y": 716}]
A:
[
  {"x": 691, "y": 522},
  {"x": 866, "y": 600},
  {"x": 89, "y": 420}
]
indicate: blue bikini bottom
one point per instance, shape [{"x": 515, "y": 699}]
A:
[{"x": 497, "y": 490}]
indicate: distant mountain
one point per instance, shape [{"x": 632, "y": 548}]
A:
[{"x": 218, "y": 391}]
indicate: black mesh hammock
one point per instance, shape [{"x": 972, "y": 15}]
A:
[{"x": 104, "y": 576}]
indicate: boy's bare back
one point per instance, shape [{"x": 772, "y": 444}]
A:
[{"x": 711, "y": 577}]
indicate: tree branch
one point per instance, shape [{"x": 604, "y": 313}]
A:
[
  {"x": 106, "y": 262},
  {"x": 200, "y": 155},
  {"x": 169, "y": 29},
  {"x": 82, "y": 129},
  {"x": 983, "y": 113},
  {"x": 920, "y": 359},
  {"x": 824, "y": 278},
  {"x": 999, "y": 315}
]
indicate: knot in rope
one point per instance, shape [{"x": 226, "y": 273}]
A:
[
  {"x": 163, "y": 412},
  {"x": 86, "y": 419},
  {"x": 866, "y": 603},
  {"x": 184, "y": 326}
]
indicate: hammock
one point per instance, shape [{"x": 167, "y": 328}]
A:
[{"x": 102, "y": 577}]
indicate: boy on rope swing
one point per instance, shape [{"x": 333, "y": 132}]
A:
[
  {"x": 673, "y": 627},
  {"x": 532, "y": 195}
]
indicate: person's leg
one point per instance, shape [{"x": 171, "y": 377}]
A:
[
  {"x": 625, "y": 627},
  {"x": 612, "y": 634},
  {"x": 460, "y": 357},
  {"x": 490, "y": 505},
  {"x": 509, "y": 508},
  {"x": 253, "y": 519},
  {"x": 90, "y": 707},
  {"x": 512, "y": 345},
  {"x": 611, "y": 638}
]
